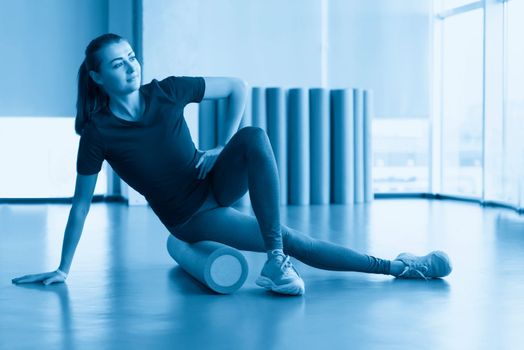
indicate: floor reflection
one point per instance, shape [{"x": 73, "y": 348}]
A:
[{"x": 125, "y": 292}]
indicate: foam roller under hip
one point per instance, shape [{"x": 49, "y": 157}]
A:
[{"x": 220, "y": 267}]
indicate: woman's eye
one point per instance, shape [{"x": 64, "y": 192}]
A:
[
  {"x": 132, "y": 58},
  {"x": 117, "y": 65}
]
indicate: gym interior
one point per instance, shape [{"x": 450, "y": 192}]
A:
[{"x": 396, "y": 125}]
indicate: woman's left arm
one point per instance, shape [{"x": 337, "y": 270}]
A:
[{"x": 235, "y": 90}]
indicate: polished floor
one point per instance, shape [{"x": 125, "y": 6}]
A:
[{"x": 125, "y": 292}]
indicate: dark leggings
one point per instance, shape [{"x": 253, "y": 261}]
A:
[{"x": 247, "y": 162}]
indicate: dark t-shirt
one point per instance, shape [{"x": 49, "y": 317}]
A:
[{"x": 155, "y": 155}]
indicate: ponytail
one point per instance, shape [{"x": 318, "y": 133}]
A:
[{"x": 91, "y": 98}]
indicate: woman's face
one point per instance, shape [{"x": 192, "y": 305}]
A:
[{"x": 119, "y": 72}]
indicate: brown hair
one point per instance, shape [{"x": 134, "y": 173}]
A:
[{"x": 91, "y": 97}]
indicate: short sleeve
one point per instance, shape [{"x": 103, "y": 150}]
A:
[
  {"x": 184, "y": 89},
  {"x": 90, "y": 153}
]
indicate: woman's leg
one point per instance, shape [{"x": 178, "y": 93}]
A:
[
  {"x": 231, "y": 227},
  {"x": 247, "y": 162}
]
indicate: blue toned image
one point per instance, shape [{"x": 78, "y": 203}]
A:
[{"x": 265, "y": 174}]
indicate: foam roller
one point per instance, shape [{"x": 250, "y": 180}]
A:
[
  {"x": 277, "y": 132},
  {"x": 319, "y": 144},
  {"x": 221, "y": 268}
]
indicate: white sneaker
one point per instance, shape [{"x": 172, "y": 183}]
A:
[
  {"x": 433, "y": 265},
  {"x": 279, "y": 275}
]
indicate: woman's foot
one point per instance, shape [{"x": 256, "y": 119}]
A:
[
  {"x": 433, "y": 265},
  {"x": 279, "y": 275}
]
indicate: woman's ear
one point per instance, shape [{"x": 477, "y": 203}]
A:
[{"x": 96, "y": 77}]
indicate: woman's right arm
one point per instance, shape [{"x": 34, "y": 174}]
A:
[{"x": 84, "y": 189}]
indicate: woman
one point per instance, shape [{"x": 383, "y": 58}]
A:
[{"x": 141, "y": 132}]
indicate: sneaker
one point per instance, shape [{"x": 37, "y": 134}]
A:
[
  {"x": 280, "y": 276},
  {"x": 434, "y": 265}
]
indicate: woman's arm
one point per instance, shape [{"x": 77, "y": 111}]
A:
[
  {"x": 236, "y": 91},
  {"x": 84, "y": 189}
]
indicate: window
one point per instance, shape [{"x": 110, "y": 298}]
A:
[
  {"x": 462, "y": 82},
  {"x": 451, "y": 4},
  {"x": 400, "y": 155},
  {"x": 513, "y": 190},
  {"x": 38, "y": 156}
]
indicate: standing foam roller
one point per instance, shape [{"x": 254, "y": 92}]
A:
[
  {"x": 298, "y": 147},
  {"x": 258, "y": 108},
  {"x": 319, "y": 145},
  {"x": 342, "y": 191},
  {"x": 247, "y": 115},
  {"x": 221, "y": 268},
  {"x": 368, "y": 152},
  {"x": 276, "y": 130},
  {"x": 221, "y": 112},
  {"x": 207, "y": 124},
  {"x": 358, "y": 129}
]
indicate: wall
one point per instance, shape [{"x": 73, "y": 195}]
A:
[
  {"x": 270, "y": 42},
  {"x": 42, "y": 44},
  {"x": 381, "y": 45},
  {"x": 378, "y": 44}
]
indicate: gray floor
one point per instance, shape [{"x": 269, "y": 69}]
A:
[{"x": 125, "y": 292}]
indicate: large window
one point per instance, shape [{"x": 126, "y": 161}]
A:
[
  {"x": 481, "y": 100},
  {"x": 38, "y": 156},
  {"x": 451, "y": 4},
  {"x": 400, "y": 155},
  {"x": 513, "y": 190},
  {"x": 462, "y": 126}
]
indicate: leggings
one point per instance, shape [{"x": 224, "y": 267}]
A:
[{"x": 247, "y": 162}]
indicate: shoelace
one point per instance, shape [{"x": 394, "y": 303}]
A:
[
  {"x": 412, "y": 270},
  {"x": 287, "y": 266}
]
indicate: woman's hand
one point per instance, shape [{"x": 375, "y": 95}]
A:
[
  {"x": 207, "y": 161},
  {"x": 46, "y": 278}
]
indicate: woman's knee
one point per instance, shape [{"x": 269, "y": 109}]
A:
[
  {"x": 253, "y": 138},
  {"x": 250, "y": 132}
]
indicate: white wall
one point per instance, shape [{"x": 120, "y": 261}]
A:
[
  {"x": 42, "y": 44},
  {"x": 383, "y": 45},
  {"x": 378, "y": 44},
  {"x": 271, "y": 42}
]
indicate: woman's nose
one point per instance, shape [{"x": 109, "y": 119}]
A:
[{"x": 130, "y": 68}]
